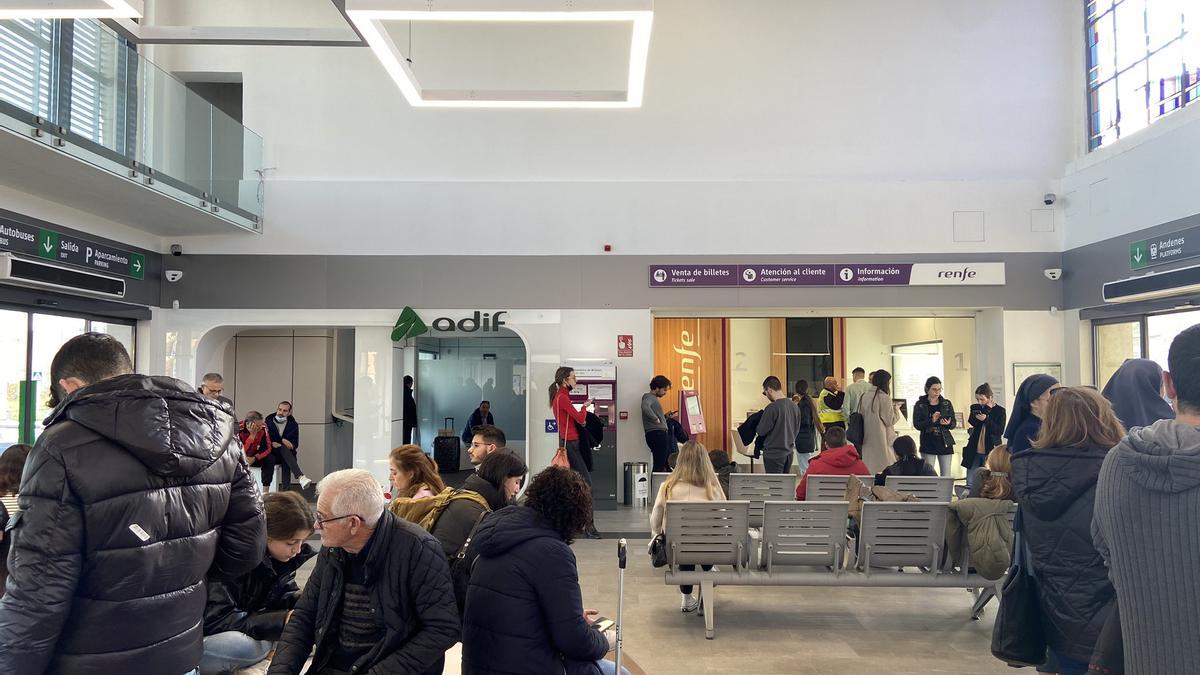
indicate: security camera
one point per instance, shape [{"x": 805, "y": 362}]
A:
[
  {"x": 176, "y": 250},
  {"x": 1053, "y": 274},
  {"x": 173, "y": 275},
  {"x": 1049, "y": 198}
]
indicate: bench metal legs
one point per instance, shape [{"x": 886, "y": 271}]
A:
[
  {"x": 982, "y": 598},
  {"x": 708, "y": 597}
]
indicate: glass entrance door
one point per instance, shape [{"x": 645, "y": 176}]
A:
[
  {"x": 1115, "y": 342},
  {"x": 28, "y": 343},
  {"x": 14, "y": 377}
]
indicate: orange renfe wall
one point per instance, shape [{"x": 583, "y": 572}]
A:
[{"x": 691, "y": 353}]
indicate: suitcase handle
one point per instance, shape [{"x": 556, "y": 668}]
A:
[{"x": 449, "y": 423}]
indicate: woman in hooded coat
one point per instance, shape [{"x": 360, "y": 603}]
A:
[
  {"x": 1030, "y": 403},
  {"x": 1135, "y": 392}
]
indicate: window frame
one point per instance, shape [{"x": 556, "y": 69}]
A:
[{"x": 1155, "y": 107}]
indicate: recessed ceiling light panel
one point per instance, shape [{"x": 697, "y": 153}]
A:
[
  {"x": 369, "y": 15},
  {"x": 71, "y": 9}
]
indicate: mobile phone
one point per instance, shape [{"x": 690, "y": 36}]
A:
[{"x": 602, "y": 623}]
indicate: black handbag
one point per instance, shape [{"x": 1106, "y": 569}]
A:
[
  {"x": 855, "y": 430},
  {"x": 658, "y": 551},
  {"x": 1017, "y": 637}
]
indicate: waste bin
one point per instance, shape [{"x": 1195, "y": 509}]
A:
[{"x": 637, "y": 483}]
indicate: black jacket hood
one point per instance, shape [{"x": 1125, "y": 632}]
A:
[
  {"x": 163, "y": 422},
  {"x": 486, "y": 490},
  {"x": 510, "y": 527},
  {"x": 1049, "y": 480}
]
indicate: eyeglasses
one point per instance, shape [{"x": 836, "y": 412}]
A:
[{"x": 320, "y": 522}]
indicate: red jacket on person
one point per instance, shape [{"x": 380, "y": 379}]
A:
[
  {"x": 258, "y": 446},
  {"x": 566, "y": 415},
  {"x": 843, "y": 461}
]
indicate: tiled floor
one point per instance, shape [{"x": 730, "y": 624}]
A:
[{"x": 763, "y": 631}]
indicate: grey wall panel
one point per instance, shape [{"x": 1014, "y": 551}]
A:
[
  {"x": 310, "y": 379},
  {"x": 1089, "y": 267},
  {"x": 561, "y": 282},
  {"x": 263, "y": 374}
]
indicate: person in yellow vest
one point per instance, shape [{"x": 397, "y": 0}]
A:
[{"x": 830, "y": 403}]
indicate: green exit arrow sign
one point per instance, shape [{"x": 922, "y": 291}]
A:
[
  {"x": 1139, "y": 254},
  {"x": 47, "y": 244},
  {"x": 137, "y": 266}
]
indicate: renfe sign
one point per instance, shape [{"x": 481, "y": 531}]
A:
[{"x": 844, "y": 274}]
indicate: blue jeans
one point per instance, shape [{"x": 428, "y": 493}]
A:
[
  {"x": 802, "y": 462},
  {"x": 610, "y": 668},
  {"x": 231, "y": 650},
  {"x": 975, "y": 464},
  {"x": 1069, "y": 666}
]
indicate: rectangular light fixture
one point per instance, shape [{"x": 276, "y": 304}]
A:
[
  {"x": 369, "y": 15},
  {"x": 64, "y": 9}
]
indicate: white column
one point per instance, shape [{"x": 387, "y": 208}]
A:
[{"x": 373, "y": 399}]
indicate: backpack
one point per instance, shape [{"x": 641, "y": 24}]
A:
[{"x": 425, "y": 511}]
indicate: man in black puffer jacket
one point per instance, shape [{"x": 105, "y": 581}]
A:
[
  {"x": 379, "y": 600},
  {"x": 133, "y": 492}
]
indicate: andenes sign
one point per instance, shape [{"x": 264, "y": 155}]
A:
[{"x": 410, "y": 325}]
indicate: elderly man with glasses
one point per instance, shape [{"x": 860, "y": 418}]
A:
[{"x": 380, "y": 598}]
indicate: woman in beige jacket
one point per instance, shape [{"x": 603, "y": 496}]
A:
[
  {"x": 879, "y": 419},
  {"x": 693, "y": 480}
]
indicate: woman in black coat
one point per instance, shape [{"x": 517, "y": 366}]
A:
[
  {"x": 986, "y": 420},
  {"x": 524, "y": 609},
  {"x": 933, "y": 416},
  {"x": 245, "y": 615},
  {"x": 1055, "y": 484}
]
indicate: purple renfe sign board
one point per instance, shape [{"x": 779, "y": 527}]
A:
[{"x": 780, "y": 276}]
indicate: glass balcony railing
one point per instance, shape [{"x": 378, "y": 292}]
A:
[{"x": 80, "y": 81}]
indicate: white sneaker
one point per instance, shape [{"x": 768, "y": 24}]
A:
[
  {"x": 688, "y": 604},
  {"x": 304, "y": 482}
]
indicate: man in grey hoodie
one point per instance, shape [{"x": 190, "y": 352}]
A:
[
  {"x": 654, "y": 422},
  {"x": 1144, "y": 525},
  {"x": 777, "y": 428}
]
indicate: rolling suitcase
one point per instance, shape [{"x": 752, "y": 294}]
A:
[{"x": 446, "y": 448}]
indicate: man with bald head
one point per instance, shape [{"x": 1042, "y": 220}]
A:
[{"x": 830, "y": 403}]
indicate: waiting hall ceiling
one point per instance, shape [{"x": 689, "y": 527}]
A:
[{"x": 512, "y": 46}]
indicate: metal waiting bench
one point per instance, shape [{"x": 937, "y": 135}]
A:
[
  {"x": 826, "y": 488},
  {"x": 924, "y": 488},
  {"x": 758, "y": 488},
  {"x": 804, "y": 544}
]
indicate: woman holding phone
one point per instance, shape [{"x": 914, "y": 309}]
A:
[
  {"x": 986, "y": 420},
  {"x": 567, "y": 416}
]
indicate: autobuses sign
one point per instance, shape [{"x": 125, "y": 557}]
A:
[{"x": 843, "y": 274}]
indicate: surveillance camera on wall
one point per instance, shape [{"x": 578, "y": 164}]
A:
[
  {"x": 1049, "y": 198},
  {"x": 173, "y": 275},
  {"x": 176, "y": 250},
  {"x": 1053, "y": 274}
]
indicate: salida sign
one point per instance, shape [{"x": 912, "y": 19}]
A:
[{"x": 410, "y": 325}]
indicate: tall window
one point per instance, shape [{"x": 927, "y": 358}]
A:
[
  {"x": 1143, "y": 63},
  {"x": 76, "y": 74},
  {"x": 26, "y": 68}
]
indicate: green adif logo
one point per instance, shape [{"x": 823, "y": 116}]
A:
[{"x": 409, "y": 325}]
